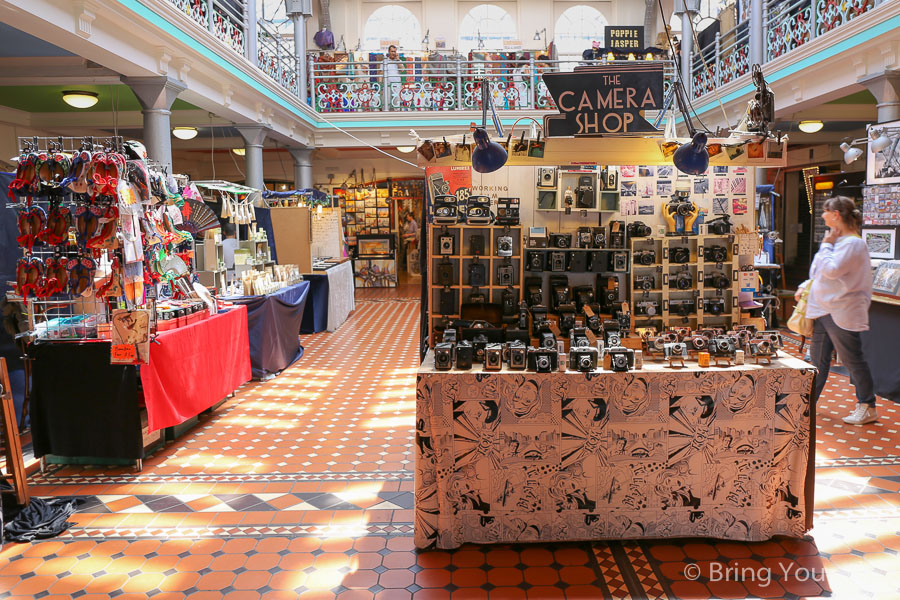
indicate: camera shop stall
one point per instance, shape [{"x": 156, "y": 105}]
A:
[{"x": 664, "y": 447}]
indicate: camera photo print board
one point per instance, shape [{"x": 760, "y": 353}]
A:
[{"x": 448, "y": 180}]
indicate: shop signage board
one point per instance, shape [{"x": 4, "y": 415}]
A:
[
  {"x": 627, "y": 38},
  {"x": 604, "y": 100}
]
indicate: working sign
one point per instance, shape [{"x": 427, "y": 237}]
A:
[{"x": 604, "y": 99}]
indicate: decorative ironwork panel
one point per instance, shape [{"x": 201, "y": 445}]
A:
[
  {"x": 831, "y": 14},
  {"x": 424, "y": 95},
  {"x": 228, "y": 31},
  {"x": 735, "y": 64},
  {"x": 195, "y": 9},
  {"x": 543, "y": 99},
  {"x": 506, "y": 95},
  {"x": 704, "y": 80},
  {"x": 348, "y": 96},
  {"x": 787, "y": 31}
]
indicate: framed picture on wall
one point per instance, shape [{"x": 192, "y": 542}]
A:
[
  {"x": 887, "y": 278},
  {"x": 881, "y": 240},
  {"x": 883, "y": 167}
]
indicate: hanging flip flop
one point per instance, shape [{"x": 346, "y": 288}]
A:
[
  {"x": 29, "y": 272},
  {"x": 81, "y": 274},
  {"x": 25, "y": 176},
  {"x": 56, "y": 229},
  {"x": 77, "y": 180},
  {"x": 31, "y": 223}
]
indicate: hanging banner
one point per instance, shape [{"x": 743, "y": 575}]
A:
[{"x": 604, "y": 100}]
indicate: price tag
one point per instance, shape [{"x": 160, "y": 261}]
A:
[{"x": 124, "y": 353}]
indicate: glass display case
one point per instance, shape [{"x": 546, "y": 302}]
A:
[{"x": 375, "y": 262}]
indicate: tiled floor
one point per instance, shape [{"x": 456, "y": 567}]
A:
[{"x": 302, "y": 487}]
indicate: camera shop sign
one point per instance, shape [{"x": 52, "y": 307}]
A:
[{"x": 604, "y": 100}]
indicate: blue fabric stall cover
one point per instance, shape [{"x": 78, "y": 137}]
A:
[
  {"x": 273, "y": 323},
  {"x": 316, "y": 319},
  {"x": 264, "y": 221}
]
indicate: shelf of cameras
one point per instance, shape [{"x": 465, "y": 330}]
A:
[
  {"x": 588, "y": 352},
  {"x": 577, "y": 189}
]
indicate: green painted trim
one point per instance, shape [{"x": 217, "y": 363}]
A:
[{"x": 809, "y": 61}]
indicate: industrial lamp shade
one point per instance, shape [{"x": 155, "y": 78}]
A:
[
  {"x": 488, "y": 156},
  {"x": 691, "y": 158},
  {"x": 879, "y": 140},
  {"x": 850, "y": 153}
]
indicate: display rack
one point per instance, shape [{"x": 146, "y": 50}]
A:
[
  {"x": 664, "y": 271},
  {"x": 462, "y": 257}
]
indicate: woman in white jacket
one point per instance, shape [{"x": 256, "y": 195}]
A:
[{"x": 840, "y": 291}]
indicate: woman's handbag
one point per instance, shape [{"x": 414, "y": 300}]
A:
[{"x": 798, "y": 323}]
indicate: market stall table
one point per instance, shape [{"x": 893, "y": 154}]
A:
[
  {"x": 519, "y": 456},
  {"x": 82, "y": 406},
  {"x": 273, "y": 323},
  {"x": 331, "y": 297}
]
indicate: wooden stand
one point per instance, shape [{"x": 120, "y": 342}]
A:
[
  {"x": 15, "y": 464},
  {"x": 675, "y": 361}
]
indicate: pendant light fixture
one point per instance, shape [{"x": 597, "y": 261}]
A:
[
  {"x": 487, "y": 156},
  {"x": 185, "y": 133},
  {"x": 691, "y": 157},
  {"x": 810, "y": 126},
  {"x": 80, "y": 99}
]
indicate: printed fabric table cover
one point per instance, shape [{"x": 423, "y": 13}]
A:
[{"x": 518, "y": 456}]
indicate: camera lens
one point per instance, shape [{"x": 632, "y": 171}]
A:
[
  {"x": 613, "y": 339},
  {"x": 646, "y": 259},
  {"x": 620, "y": 361},
  {"x": 543, "y": 362},
  {"x": 683, "y": 209},
  {"x": 678, "y": 349},
  {"x": 585, "y": 363}
]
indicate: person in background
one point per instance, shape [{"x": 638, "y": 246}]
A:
[
  {"x": 229, "y": 244},
  {"x": 392, "y": 73},
  {"x": 410, "y": 235},
  {"x": 840, "y": 291}
]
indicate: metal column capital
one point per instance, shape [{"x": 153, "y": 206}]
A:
[
  {"x": 155, "y": 93},
  {"x": 301, "y": 156},
  {"x": 885, "y": 86},
  {"x": 254, "y": 135}
]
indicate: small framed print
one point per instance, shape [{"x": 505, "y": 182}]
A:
[{"x": 881, "y": 240}]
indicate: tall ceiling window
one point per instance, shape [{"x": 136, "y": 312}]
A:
[
  {"x": 392, "y": 22},
  {"x": 577, "y": 28},
  {"x": 486, "y": 26}
]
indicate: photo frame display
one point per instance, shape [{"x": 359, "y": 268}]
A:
[
  {"x": 881, "y": 240},
  {"x": 883, "y": 167}
]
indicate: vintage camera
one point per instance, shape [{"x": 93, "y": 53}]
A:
[
  {"x": 543, "y": 360},
  {"x": 478, "y": 210},
  {"x": 682, "y": 280},
  {"x": 476, "y": 244},
  {"x": 598, "y": 262},
  {"x": 493, "y": 357},
  {"x": 479, "y": 342},
  {"x": 566, "y": 318},
  {"x": 698, "y": 341},
  {"x": 505, "y": 275},
  {"x": 722, "y": 346},
  {"x": 714, "y": 306},
  {"x": 447, "y": 302},
  {"x": 508, "y": 302},
  {"x": 445, "y": 273},
  {"x": 680, "y": 207},
  {"x": 647, "y": 308},
  {"x": 584, "y": 193},
  {"x": 449, "y": 336},
  {"x": 578, "y": 337},
  {"x": 584, "y": 238},
  {"x": 546, "y": 177},
  {"x": 443, "y": 356},
  {"x": 557, "y": 261},
  {"x": 644, "y": 282},
  {"x": 716, "y": 254},
  {"x": 598, "y": 237},
  {"x": 761, "y": 347},
  {"x": 507, "y": 211},
  {"x": 609, "y": 178},
  {"x": 608, "y": 289},
  {"x": 620, "y": 261},
  {"x": 439, "y": 185},
  {"x": 719, "y": 226},
  {"x": 546, "y": 200},
  {"x": 578, "y": 262},
  {"x": 522, "y": 323},
  {"x": 593, "y": 321},
  {"x": 718, "y": 280},
  {"x": 560, "y": 240},
  {"x": 620, "y": 358},
  {"x": 518, "y": 357},
  {"x": 771, "y": 336},
  {"x": 477, "y": 275},
  {"x": 583, "y": 358},
  {"x": 638, "y": 229},
  {"x": 742, "y": 335},
  {"x": 582, "y": 294},
  {"x": 612, "y": 335},
  {"x": 559, "y": 293},
  {"x": 679, "y": 255},
  {"x": 445, "y": 245},
  {"x": 616, "y": 237},
  {"x": 682, "y": 308},
  {"x": 675, "y": 350},
  {"x": 444, "y": 211},
  {"x": 659, "y": 342},
  {"x": 504, "y": 245},
  {"x": 547, "y": 340},
  {"x": 645, "y": 257},
  {"x": 534, "y": 293},
  {"x": 476, "y": 297},
  {"x": 464, "y": 354},
  {"x": 539, "y": 321},
  {"x": 534, "y": 260}
]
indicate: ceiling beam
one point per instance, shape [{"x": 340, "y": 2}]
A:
[{"x": 55, "y": 70}]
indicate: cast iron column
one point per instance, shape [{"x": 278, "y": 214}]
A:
[
  {"x": 156, "y": 95},
  {"x": 254, "y": 137},
  {"x": 302, "y": 168}
]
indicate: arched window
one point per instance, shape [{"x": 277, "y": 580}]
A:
[
  {"x": 486, "y": 26},
  {"x": 577, "y": 28},
  {"x": 392, "y": 22}
]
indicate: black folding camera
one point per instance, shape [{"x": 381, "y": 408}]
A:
[
  {"x": 593, "y": 322},
  {"x": 476, "y": 244},
  {"x": 449, "y": 336},
  {"x": 584, "y": 193},
  {"x": 566, "y": 318},
  {"x": 518, "y": 357},
  {"x": 717, "y": 280},
  {"x": 583, "y": 358},
  {"x": 761, "y": 347},
  {"x": 504, "y": 245},
  {"x": 560, "y": 240},
  {"x": 645, "y": 257},
  {"x": 559, "y": 291},
  {"x": 534, "y": 260},
  {"x": 612, "y": 335},
  {"x": 447, "y": 301},
  {"x": 644, "y": 282},
  {"x": 578, "y": 337},
  {"x": 523, "y": 316},
  {"x": 716, "y": 254},
  {"x": 507, "y": 211},
  {"x": 539, "y": 322},
  {"x": 505, "y": 274},
  {"x": 599, "y": 237},
  {"x": 508, "y": 302},
  {"x": 547, "y": 340},
  {"x": 584, "y": 238},
  {"x": 638, "y": 229},
  {"x": 543, "y": 360},
  {"x": 443, "y": 356},
  {"x": 682, "y": 308},
  {"x": 478, "y": 210},
  {"x": 719, "y": 226},
  {"x": 582, "y": 294},
  {"x": 445, "y": 273},
  {"x": 444, "y": 211},
  {"x": 679, "y": 255},
  {"x": 647, "y": 308},
  {"x": 682, "y": 280},
  {"x": 714, "y": 306},
  {"x": 620, "y": 358},
  {"x": 534, "y": 293},
  {"x": 616, "y": 234},
  {"x": 477, "y": 275},
  {"x": 620, "y": 261},
  {"x": 557, "y": 261},
  {"x": 493, "y": 357},
  {"x": 464, "y": 353},
  {"x": 598, "y": 262}
]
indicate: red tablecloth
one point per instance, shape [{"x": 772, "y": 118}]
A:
[{"x": 194, "y": 367}]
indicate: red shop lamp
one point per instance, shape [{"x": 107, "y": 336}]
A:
[{"x": 487, "y": 156}]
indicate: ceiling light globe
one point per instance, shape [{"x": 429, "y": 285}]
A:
[
  {"x": 79, "y": 99},
  {"x": 185, "y": 133},
  {"x": 811, "y": 126}
]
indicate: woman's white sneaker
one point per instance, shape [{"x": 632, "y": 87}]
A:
[{"x": 864, "y": 413}]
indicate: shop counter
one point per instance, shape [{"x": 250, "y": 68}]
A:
[
  {"x": 273, "y": 323},
  {"x": 519, "y": 456},
  {"x": 331, "y": 298},
  {"x": 82, "y": 406}
]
